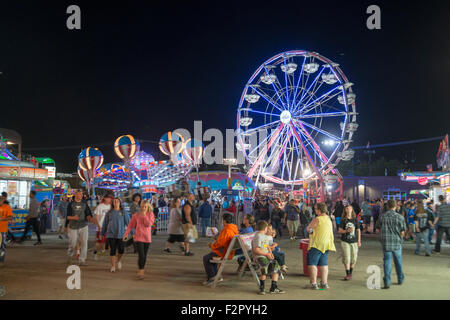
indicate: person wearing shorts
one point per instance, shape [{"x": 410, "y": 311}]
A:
[
  {"x": 189, "y": 222},
  {"x": 316, "y": 257},
  {"x": 263, "y": 256},
  {"x": 176, "y": 233},
  {"x": 321, "y": 242},
  {"x": 114, "y": 223}
]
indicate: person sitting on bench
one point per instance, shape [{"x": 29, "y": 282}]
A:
[
  {"x": 248, "y": 226},
  {"x": 219, "y": 248}
]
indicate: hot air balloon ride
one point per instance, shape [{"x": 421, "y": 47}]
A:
[
  {"x": 126, "y": 147},
  {"x": 193, "y": 152},
  {"x": 86, "y": 177},
  {"x": 90, "y": 159},
  {"x": 171, "y": 144}
]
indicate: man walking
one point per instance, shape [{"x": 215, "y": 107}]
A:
[
  {"x": 189, "y": 220},
  {"x": 442, "y": 222},
  {"x": 393, "y": 229},
  {"x": 78, "y": 215},
  {"x": 33, "y": 220},
  {"x": 292, "y": 217}
]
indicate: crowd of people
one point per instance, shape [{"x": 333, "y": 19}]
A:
[{"x": 267, "y": 218}]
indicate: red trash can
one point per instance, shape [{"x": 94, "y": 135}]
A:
[{"x": 304, "y": 243}]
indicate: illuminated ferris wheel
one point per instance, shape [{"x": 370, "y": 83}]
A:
[{"x": 302, "y": 108}]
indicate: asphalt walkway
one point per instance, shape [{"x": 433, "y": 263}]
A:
[{"x": 40, "y": 273}]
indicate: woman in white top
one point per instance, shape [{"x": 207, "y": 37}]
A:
[{"x": 176, "y": 233}]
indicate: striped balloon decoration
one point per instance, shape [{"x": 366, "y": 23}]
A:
[
  {"x": 84, "y": 175},
  {"x": 126, "y": 147},
  {"x": 171, "y": 143},
  {"x": 90, "y": 159},
  {"x": 193, "y": 151}
]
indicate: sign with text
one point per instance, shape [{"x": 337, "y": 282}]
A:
[{"x": 26, "y": 173}]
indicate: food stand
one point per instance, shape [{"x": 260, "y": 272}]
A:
[{"x": 17, "y": 179}]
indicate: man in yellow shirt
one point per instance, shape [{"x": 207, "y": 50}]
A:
[
  {"x": 5, "y": 216},
  {"x": 321, "y": 241}
]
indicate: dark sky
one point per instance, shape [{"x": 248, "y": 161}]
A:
[{"x": 146, "y": 67}]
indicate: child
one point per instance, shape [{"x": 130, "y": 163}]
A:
[
  {"x": 280, "y": 257},
  {"x": 265, "y": 259}
]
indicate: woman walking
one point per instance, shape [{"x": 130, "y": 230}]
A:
[
  {"x": 176, "y": 233},
  {"x": 351, "y": 239},
  {"x": 114, "y": 224},
  {"x": 141, "y": 222}
]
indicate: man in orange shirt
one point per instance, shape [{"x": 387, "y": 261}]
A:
[
  {"x": 5, "y": 217},
  {"x": 219, "y": 248}
]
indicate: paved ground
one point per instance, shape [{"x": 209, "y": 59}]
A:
[{"x": 40, "y": 273}]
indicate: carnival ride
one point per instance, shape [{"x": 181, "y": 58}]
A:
[
  {"x": 302, "y": 108},
  {"x": 138, "y": 170}
]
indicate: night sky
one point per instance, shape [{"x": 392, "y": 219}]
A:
[{"x": 146, "y": 67}]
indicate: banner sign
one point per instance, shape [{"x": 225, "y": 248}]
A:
[{"x": 26, "y": 173}]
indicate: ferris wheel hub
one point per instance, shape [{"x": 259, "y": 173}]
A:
[{"x": 285, "y": 117}]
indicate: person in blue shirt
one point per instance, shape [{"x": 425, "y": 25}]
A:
[
  {"x": 300, "y": 204},
  {"x": 225, "y": 203},
  {"x": 248, "y": 226},
  {"x": 411, "y": 223},
  {"x": 204, "y": 213}
]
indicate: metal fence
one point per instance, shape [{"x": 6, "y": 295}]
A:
[{"x": 162, "y": 223}]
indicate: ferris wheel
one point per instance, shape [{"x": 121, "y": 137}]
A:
[{"x": 296, "y": 118}]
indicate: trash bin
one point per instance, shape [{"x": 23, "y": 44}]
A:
[{"x": 304, "y": 243}]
